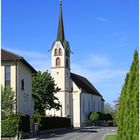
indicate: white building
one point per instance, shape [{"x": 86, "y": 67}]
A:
[
  {"x": 77, "y": 96},
  {"x": 16, "y": 72}
]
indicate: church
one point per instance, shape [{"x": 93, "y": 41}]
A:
[{"x": 78, "y": 97}]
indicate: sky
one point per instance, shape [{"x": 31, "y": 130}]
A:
[{"x": 103, "y": 35}]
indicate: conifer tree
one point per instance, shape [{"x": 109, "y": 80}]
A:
[{"x": 127, "y": 114}]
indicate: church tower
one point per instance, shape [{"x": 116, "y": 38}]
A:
[{"x": 60, "y": 69}]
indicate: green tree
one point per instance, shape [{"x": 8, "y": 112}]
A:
[
  {"x": 127, "y": 113},
  {"x": 7, "y": 102},
  {"x": 44, "y": 89},
  {"x": 108, "y": 108},
  {"x": 94, "y": 116}
]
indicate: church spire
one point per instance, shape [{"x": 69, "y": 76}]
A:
[{"x": 60, "y": 33}]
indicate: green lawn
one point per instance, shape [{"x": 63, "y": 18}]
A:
[{"x": 110, "y": 137}]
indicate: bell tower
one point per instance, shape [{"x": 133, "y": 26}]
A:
[{"x": 60, "y": 69}]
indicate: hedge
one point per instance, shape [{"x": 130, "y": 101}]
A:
[
  {"x": 24, "y": 124},
  {"x": 54, "y": 122},
  {"x": 8, "y": 128},
  {"x": 13, "y": 124}
]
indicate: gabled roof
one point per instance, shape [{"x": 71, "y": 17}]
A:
[
  {"x": 9, "y": 56},
  {"x": 84, "y": 84}
]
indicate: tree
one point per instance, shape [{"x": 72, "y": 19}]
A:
[
  {"x": 108, "y": 108},
  {"x": 44, "y": 88},
  {"x": 93, "y": 116},
  {"x": 128, "y": 109},
  {"x": 7, "y": 102}
]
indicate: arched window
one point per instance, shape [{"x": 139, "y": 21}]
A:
[
  {"x": 60, "y": 51},
  {"x": 57, "y": 61},
  {"x": 55, "y": 52}
]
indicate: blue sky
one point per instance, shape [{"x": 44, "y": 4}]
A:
[{"x": 103, "y": 35}]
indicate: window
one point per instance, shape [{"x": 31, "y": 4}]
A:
[
  {"x": 7, "y": 75},
  {"x": 22, "y": 84},
  {"x": 60, "y": 51},
  {"x": 55, "y": 52},
  {"x": 57, "y": 61}
]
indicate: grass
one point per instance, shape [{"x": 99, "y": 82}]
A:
[{"x": 110, "y": 137}]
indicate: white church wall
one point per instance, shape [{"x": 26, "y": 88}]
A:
[
  {"x": 61, "y": 112},
  {"x": 24, "y": 96},
  {"x": 89, "y": 103},
  {"x": 76, "y": 106}
]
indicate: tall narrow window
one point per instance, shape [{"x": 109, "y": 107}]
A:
[
  {"x": 22, "y": 84},
  {"x": 55, "y": 52},
  {"x": 7, "y": 75},
  {"x": 57, "y": 61},
  {"x": 60, "y": 51}
]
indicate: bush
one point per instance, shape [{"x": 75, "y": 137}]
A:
[
  {"x": 101, "y": 115},
  {"x": 94, "y": 116},
  {"x": 108, "y": 117},
  {"x": 9, "y": 128},
  {"x": 54, "y": 122},
  {"x": 24, "y": 124}
]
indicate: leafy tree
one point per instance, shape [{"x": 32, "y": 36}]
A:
[
  {"x": 7, "y": 102},
  {"x": 44, "y": 89},
  {"x": 93, "y": 116},
  {"x": 127, "y": 113},
  {"x": 108, "y": 108}
]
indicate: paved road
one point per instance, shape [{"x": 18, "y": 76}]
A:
[{"x": 78, "y": 134}]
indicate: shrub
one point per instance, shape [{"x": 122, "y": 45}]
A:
[
  {"x": 9, "y": 128},
  {"x": 101, "y": 115},
  {"x": 54, "y": 122},
  {"x": 94, "y": 116},
  {"x": 22, "y": 120},
  {"x": 108, "y": 117},
  {"x": 24, "y": 124}
]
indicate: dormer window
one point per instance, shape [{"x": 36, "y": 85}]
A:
[
  {"x": 55, "y": 52},
  {"x": 57, "y": 61},
  {"x": 60, "y": 51}
]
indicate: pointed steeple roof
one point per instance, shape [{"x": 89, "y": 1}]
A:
[{"x": 60, "y": 33}]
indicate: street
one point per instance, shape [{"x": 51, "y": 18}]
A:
[{"x": 89, "y": 133}]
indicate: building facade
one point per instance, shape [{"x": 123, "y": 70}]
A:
[
  {"x": 77, "y": 96},
  {"x": 16, "y": 73}
]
